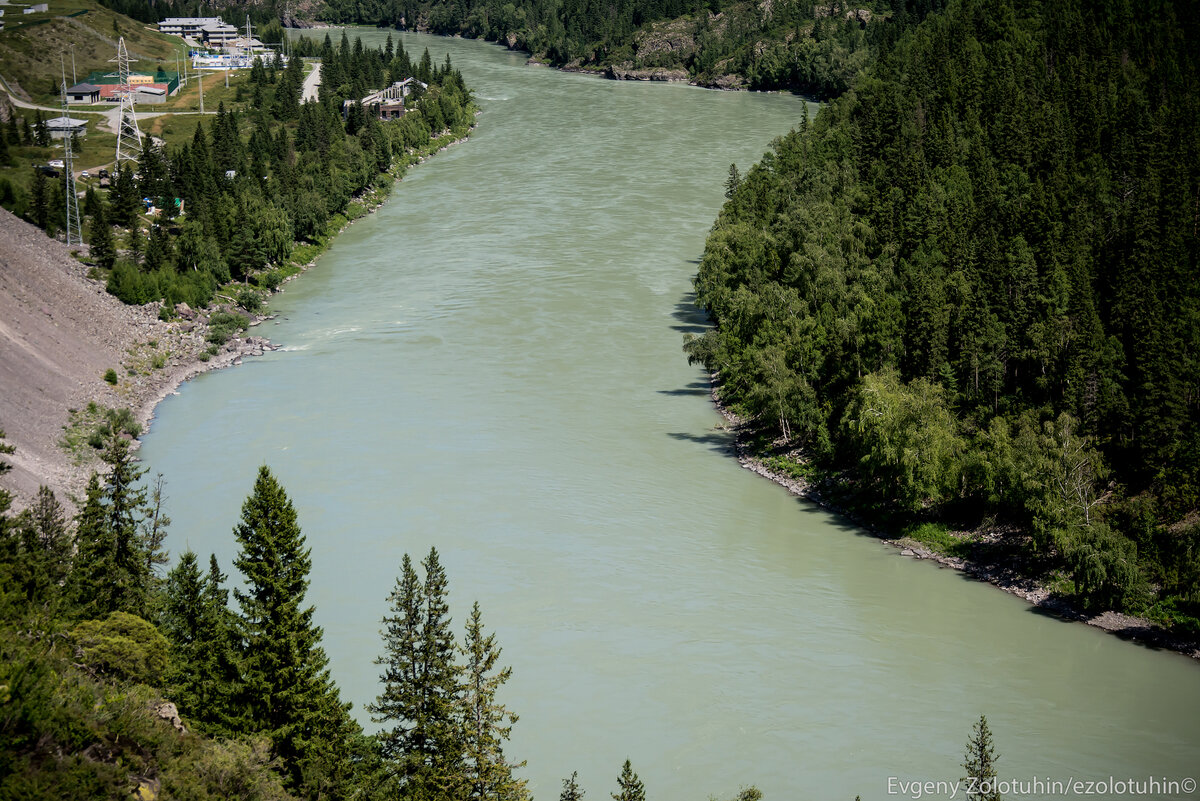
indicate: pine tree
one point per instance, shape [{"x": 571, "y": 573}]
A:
[
  {"x": 41, "y": 134},
  {"x": 103, "y": 250},
  {"x": 571, "y": 790},
  {"x": 204, "y": 674},
  {"x": 131, "y": 577},
  {"x": 45, "y": 546},
  {"x": 90, "y": 593},
  {"x": 40, "y": 192},
  {"x": 288, "y": 694},
  {"x": 399, "y": 702},
  {"x": 631, "y": 788},
  {"x": 486, "y": 723},
  {"x": 980, "y": 764},
  {"x": 421, "y": 684}
]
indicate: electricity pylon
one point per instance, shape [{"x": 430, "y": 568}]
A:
[{"x": 129, "y": 137}]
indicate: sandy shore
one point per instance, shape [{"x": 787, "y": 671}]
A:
[{"x": 1000, "y": 575}]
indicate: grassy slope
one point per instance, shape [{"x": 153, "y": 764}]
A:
[{"x": 34, "y": 47}]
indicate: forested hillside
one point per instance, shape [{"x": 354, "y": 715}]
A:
[
  {"x": 788, "y": 44},
  {"x": 971, "y": 285}
]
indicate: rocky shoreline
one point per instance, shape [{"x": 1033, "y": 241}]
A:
[
  {"x": 1003, "y": 576},
  {"x": 60, "y": 331}
]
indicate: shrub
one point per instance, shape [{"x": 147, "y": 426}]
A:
[
  {"x": 223, "y": 325},
  {"x": 110, "y": 375},
  {"x": 123, "y": 646},
  {"x": 249, "y": 300}
]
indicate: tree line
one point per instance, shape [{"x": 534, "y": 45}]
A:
[
  {"x": 966, "y": 291},
  {"x": 93, "y": 636},
  {"x": 792, "y": 45},
  {"x": 263, "y": 175}
]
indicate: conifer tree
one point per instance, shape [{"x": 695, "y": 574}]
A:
[
  {"x": 90, "y": 592},
  {"x": 571, "y": 790},
  {"x": 421, "y": 695},
  {"x": 40, "y": 200},
  {"x": 980, "y": 764},
  {"x": 45, "y": 546},
  {"x": 631, "y": 788},
  {"x": 486, "y": 722},
  {"x": 103, "y": 249},
  {"x": 288, "y": 694}
]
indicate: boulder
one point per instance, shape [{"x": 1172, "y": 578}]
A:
[{"x": 170, "y": 713}]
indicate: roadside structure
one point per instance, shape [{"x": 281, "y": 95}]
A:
[{"x": 387, "y": 104}]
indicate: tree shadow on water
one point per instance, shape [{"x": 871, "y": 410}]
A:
[
  {"x": 697, "y": 388},
  {"x": 692, "y": 319},
  {"x": 719, "y": 441}
]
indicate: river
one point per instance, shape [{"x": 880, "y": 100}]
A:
[{"x": 491, "y": 363}]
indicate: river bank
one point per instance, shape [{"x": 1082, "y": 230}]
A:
[
  {"x": 69, "y": 351},
  {"x": 1003, "y": 574}
]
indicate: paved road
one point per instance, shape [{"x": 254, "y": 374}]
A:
[{"x": 311, "y": 82}]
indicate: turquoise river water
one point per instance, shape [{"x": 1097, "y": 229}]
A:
[{"x": 491, "y": 363}]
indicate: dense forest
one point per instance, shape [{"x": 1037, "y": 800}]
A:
[
  {"x": 967, "y": 292},
  {"x": 262, "y": 176},
  {"x": 789, "y": 44},
  {"x": 784, "y": 44}
]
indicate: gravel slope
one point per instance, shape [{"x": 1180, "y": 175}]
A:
[{"x": 59, "y": 333}]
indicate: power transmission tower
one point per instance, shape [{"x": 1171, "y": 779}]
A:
[
  {"x": 74, "y": 229},
  {"x": 129, "y": 137}
]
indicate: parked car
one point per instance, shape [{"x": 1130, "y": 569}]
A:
[
  {"x": 84, "y": 174},
  {"x": 57, "y": 163}
]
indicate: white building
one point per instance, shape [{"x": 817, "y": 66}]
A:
[
  {"x": 63, "y": 127},
  {"x": 187, "y": 26}
]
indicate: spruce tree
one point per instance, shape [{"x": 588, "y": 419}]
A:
[
  {"x": 631, "y": 788},
  {"x": 422, "y": 694},
  {"x": 103, "y": 250},
  {"x": 486, "y": 722},
  {"x": 288, "y": 694},
  {"x": 45, "y": 546},
  {"x": 571, "y": 790},
  {"x": 980, "y": 764},
  {"x": 124, "y": 513},
  {"x": 40, "y": 200},
  {"x": 90, "y": 593}
]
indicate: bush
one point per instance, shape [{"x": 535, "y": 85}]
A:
[
  {"x": 249, "y": 300},
  {"x": 269, "y": 280},
  {"x": 223, "y": 325},
  {"x": 123, "y": 646},
  {"x": 110, "y": 375}
]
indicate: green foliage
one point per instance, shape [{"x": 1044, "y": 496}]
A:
[
  {"x": 124, "y": 647},
  {"x": 249, "y": 300},
  {"x": 907, "y": 285},
  {"x": 571, "y": 790},
  {"x": 938, "y": 538},
  {"x": 421, "y": 683},
  {"x": 223, "y": 325},
  {"x": 287, "y": 694},
  {"x": 630, "y": 786},
  {"x": 980, "y": 764},
  {"x": 110, "y": 375},
  {"x": 907, "y": 438}
]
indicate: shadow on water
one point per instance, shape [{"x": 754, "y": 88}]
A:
[
  {"x": 697, "y": 388},
  {"x": 693, "y": 319},
  {"x": 720, "y": 442}
]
